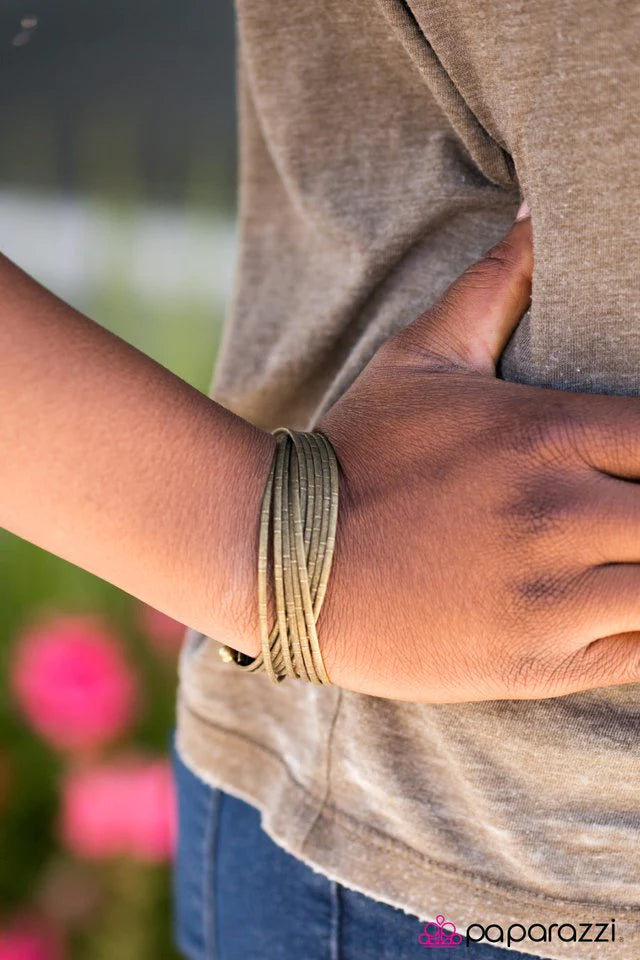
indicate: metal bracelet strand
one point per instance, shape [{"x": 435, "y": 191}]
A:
[{"x": 298, "y": 516}]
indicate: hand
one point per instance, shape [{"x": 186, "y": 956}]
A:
[{"x": 489, "y": 538}]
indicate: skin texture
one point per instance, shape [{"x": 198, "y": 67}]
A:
[
  {"x": 488, "y": 542},
  {"x": 489, "y": 537},
  {"x": 115, "y": 464}
]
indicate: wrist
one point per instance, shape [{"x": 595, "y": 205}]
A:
[
  {"x": 238, "y": 585},
  {"x": 230, "y": 536},
  {"x": 333, "y": 621}
]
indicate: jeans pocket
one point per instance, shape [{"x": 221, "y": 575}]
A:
[{"x": 194, "y": 892}]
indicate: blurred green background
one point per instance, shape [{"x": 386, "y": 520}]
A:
[{"x": 117, "y": 191}]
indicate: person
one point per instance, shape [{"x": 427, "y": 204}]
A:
[{"x": 475, "y": 759}]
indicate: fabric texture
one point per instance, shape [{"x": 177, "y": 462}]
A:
[
  {"x": 384, "y": 145},
  {"x": 240, "y": 896}
]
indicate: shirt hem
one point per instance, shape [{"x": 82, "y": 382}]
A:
[{"x": 336, "y": 844}]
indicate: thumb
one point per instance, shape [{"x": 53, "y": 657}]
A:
[{"x": 473, "y": 320}]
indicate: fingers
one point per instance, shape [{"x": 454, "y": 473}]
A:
[
  {"x": 606, "y": 662},
  {"x": 584, "y": 517},
  {"x": 609, "y": 600},
  {"x": 609, "y": 661},
  {"x": 612, "y": 660},
  {"x": 606, "y": 607},
  {"x": 605, "y": 432},
  {"x": 609, "y": 527},
  {"x": 477, "y": 314}
]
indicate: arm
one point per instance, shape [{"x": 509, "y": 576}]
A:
[
  {"x": 115, "y": 464},
  {"x": 487, "y": 545}
]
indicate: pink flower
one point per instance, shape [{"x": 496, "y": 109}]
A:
[
  {"x": 165, "y": 633},
  {"x": 25, "y": 940},
  {"x": 124, "y": 808},
  {"x": 73, "y": 682}
]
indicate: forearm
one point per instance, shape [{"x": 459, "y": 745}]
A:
[{"x": 115, "y": 464}]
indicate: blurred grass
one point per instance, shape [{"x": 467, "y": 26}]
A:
[
  {"x": 133, "y": 921},
  {"x": 135, "y": 918}
]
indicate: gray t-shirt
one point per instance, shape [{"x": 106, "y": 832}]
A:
[{"x": 384, "y": 146}]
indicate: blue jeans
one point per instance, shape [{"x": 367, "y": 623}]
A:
[{"x": 239, "y": 896}]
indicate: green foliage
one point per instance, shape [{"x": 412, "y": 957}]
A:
[
  {"x": 134, "y": 917},
  {"x": 131, "y": 917}
]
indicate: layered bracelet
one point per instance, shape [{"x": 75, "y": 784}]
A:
[{"x": 299, "y": 516}]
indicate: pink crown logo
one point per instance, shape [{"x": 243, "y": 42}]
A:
[{"x": 439, "y": 933}]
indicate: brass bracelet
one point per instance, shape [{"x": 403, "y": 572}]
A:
[{"x": 300, "y": 509}]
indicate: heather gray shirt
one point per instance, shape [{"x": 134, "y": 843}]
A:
[{"x": 384, "y": 146}]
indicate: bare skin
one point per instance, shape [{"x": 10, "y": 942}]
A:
[
  {"x": 489, "y": 537},
  {"x": 115, "y": 464}
]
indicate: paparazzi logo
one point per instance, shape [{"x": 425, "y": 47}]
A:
[
  {"x": 539, "y": 933},
  {"x": 443, "y": 933}
]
